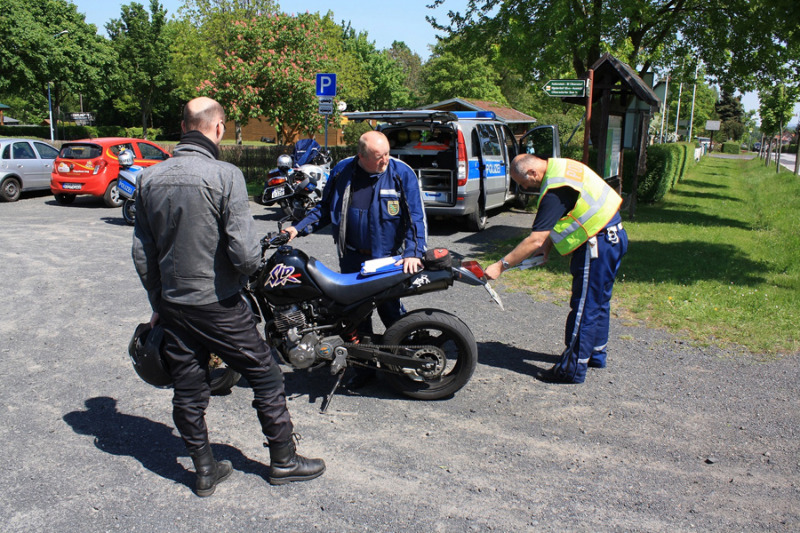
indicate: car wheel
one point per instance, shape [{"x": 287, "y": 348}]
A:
[
  {"x": 111, "y": 197},
  {"x": 64, "y": 199},
  {"x": 10, "y": 190}
]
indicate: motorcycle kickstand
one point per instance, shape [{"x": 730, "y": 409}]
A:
[{"x": 329, "y": 398}]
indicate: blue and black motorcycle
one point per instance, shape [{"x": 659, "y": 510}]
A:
[
  {"x": 312, "y": 315},
  {"x": 126, "y": 185}
]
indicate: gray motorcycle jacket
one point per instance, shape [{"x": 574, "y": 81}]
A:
[{"x": 194, "y": 239}]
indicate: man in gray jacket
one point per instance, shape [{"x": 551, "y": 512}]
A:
[{"x": 194, "y": 246}]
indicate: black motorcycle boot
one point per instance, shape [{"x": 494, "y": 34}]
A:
[
  {"x": 287, "y": 466},
  {"x": 209, "y": 472}
]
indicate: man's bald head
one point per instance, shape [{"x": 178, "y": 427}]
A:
[
  {"x": 202, "y": 114},
  {"x": 373, "y": 152}
]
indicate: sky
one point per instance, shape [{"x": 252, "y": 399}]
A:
[{"x": 383, "y": 21}]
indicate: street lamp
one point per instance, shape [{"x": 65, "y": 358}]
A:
[{"x": 49, "y": 101}]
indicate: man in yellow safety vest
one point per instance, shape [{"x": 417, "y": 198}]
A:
[{"x": 578, "y": 214}]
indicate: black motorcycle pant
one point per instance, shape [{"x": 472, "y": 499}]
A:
[{"x": 228, "y": 330}]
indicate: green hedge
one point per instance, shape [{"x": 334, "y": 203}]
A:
[{"x": 731, "y": 148}]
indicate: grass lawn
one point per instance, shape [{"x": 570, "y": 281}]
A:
[{"x": 718, "y": 259}]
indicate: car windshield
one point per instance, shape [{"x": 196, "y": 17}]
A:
[{"x": 81, "y": 151}]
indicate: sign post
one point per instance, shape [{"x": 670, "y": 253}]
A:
[
  {"x": 326, "y": 90},
  {"x": 565, "y": 88}
]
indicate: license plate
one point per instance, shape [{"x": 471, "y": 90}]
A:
[
  {"x": 126, "y": 187},
  {"x": 72, "y": 186},
  {"x": 278, "y": 192}
]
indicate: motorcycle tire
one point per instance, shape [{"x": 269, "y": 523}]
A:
[
  {"x": 223, "y": 377},
  {"x": 455, "y": 358},
  {"x": 129, "y": 211}
]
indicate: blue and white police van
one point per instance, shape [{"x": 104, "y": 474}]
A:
[{"x": 462, "y": 158}]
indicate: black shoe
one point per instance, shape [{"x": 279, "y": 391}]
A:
[
  {"x": 552, "y": 376},
  {"x": 361, "y": 378},
  {"x": 287, "y": 466},
  {"x": 209, "y": 472}
]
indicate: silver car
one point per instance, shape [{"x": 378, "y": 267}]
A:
[{"x": 25, "y": 165}]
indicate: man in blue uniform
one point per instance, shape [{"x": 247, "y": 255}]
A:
[
  {"x": 374, "y": 204},
  {"x": 578, "y": 214}
]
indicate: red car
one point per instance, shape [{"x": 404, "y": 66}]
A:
[{"x": 90, "y": 166}]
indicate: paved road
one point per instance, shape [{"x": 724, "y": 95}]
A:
[{"x": 671, "y": 437}]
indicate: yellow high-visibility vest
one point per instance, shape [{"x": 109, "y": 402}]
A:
[{"x": 597, "y": 203}]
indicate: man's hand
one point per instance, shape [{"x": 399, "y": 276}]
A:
[
  {"x": 494, "y": 270},
  {"x": 411, "y": 265},
  {"x": 292, "y": 231}
]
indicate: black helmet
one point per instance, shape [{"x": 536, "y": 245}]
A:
[{"x": 145, "y": 352}]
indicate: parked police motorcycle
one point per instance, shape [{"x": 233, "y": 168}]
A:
[
  {"x": 311, "y": 316},
  {"x": 296, "y": 185},
  {"x": 126, "y": 185}
]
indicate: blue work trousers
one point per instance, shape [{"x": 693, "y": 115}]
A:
[{"x": 586, "y": 332}]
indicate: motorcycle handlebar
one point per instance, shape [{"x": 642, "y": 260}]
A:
[{"x": 271, "y": 240}]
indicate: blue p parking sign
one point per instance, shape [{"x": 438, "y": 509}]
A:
[{"x": 326, "y": 84}]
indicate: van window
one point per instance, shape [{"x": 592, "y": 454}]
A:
[{"x": 490, "y": 144}]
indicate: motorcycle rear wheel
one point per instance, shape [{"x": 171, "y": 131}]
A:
[
  {"x": 455, "y": 357},
  {"x": 223, "y": 377}
]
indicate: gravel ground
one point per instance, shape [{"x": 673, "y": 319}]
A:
[{"x": 670, "y": 437}]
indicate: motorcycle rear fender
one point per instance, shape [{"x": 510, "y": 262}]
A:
[{"x": 465, "y": 276}]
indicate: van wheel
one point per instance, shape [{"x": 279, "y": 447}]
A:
[
  {"x": 521, "y": 201},
  {"x": 476, "y": 221}
]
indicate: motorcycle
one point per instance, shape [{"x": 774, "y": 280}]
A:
[
  {"x": 297, "y": 184},
  {"x": 126, "y": 185},
  {"x": 311, "y": 316}
]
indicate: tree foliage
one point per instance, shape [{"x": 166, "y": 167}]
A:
[
  {"x": 740, "y": 41},
  {"x": 448, "y": 74},
  {"x": 139, "y": 38},
  {"x": 33, "y": 52},
  {"x": 269, "y": 70},
  {"x": 731, "y": 115}
]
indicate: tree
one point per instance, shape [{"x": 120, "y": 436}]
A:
[
  {"x": 411, "y": 64},
  {"x": 550, "y": 38},
  {"x": 384, "y": 76},
  {"x": 140, "y": 41},
  {"x": 775, "y": 109},
  {"x": 731, "y": 112},
  {"x": 75, "y": 62},
  {"x": 448, "y": 75},
  {"x": 269, "y": 71}
]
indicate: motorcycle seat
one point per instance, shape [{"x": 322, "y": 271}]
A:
[{"x": 347, "y": 289}]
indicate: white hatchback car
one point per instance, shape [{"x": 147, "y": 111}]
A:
[{"x": 25, "y": 165}]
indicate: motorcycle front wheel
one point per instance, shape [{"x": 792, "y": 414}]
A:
[
  {"x": 129, "y": 211},
  {"x": 445, "y": 341}
]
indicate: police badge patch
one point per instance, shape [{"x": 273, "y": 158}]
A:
[{"x": 393, "y": 207}]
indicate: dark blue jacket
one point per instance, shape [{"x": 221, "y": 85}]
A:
[{"x": 396, "y": 215}]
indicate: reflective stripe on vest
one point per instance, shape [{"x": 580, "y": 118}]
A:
[{"x": 597, "y": 203}]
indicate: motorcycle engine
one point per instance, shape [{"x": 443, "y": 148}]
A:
[{"x": 299, "y": 349}]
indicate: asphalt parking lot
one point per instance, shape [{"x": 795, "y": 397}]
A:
[{"x": 670, "y": 437}]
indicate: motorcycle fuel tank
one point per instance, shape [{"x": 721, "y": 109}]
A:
[{"x": 285, "y": 280}]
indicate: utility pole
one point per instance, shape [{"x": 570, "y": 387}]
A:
[
  {"x": 694, "y": 93},
  {"x": 664, "y": 111}
]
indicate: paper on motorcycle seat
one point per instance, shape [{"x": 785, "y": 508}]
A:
[{"x": 380, "y": 266}]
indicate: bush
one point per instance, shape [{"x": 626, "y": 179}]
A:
[{"x": 731, "y": 148}]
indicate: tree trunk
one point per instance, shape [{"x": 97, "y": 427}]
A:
[{"x": 238, "y": 127}]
